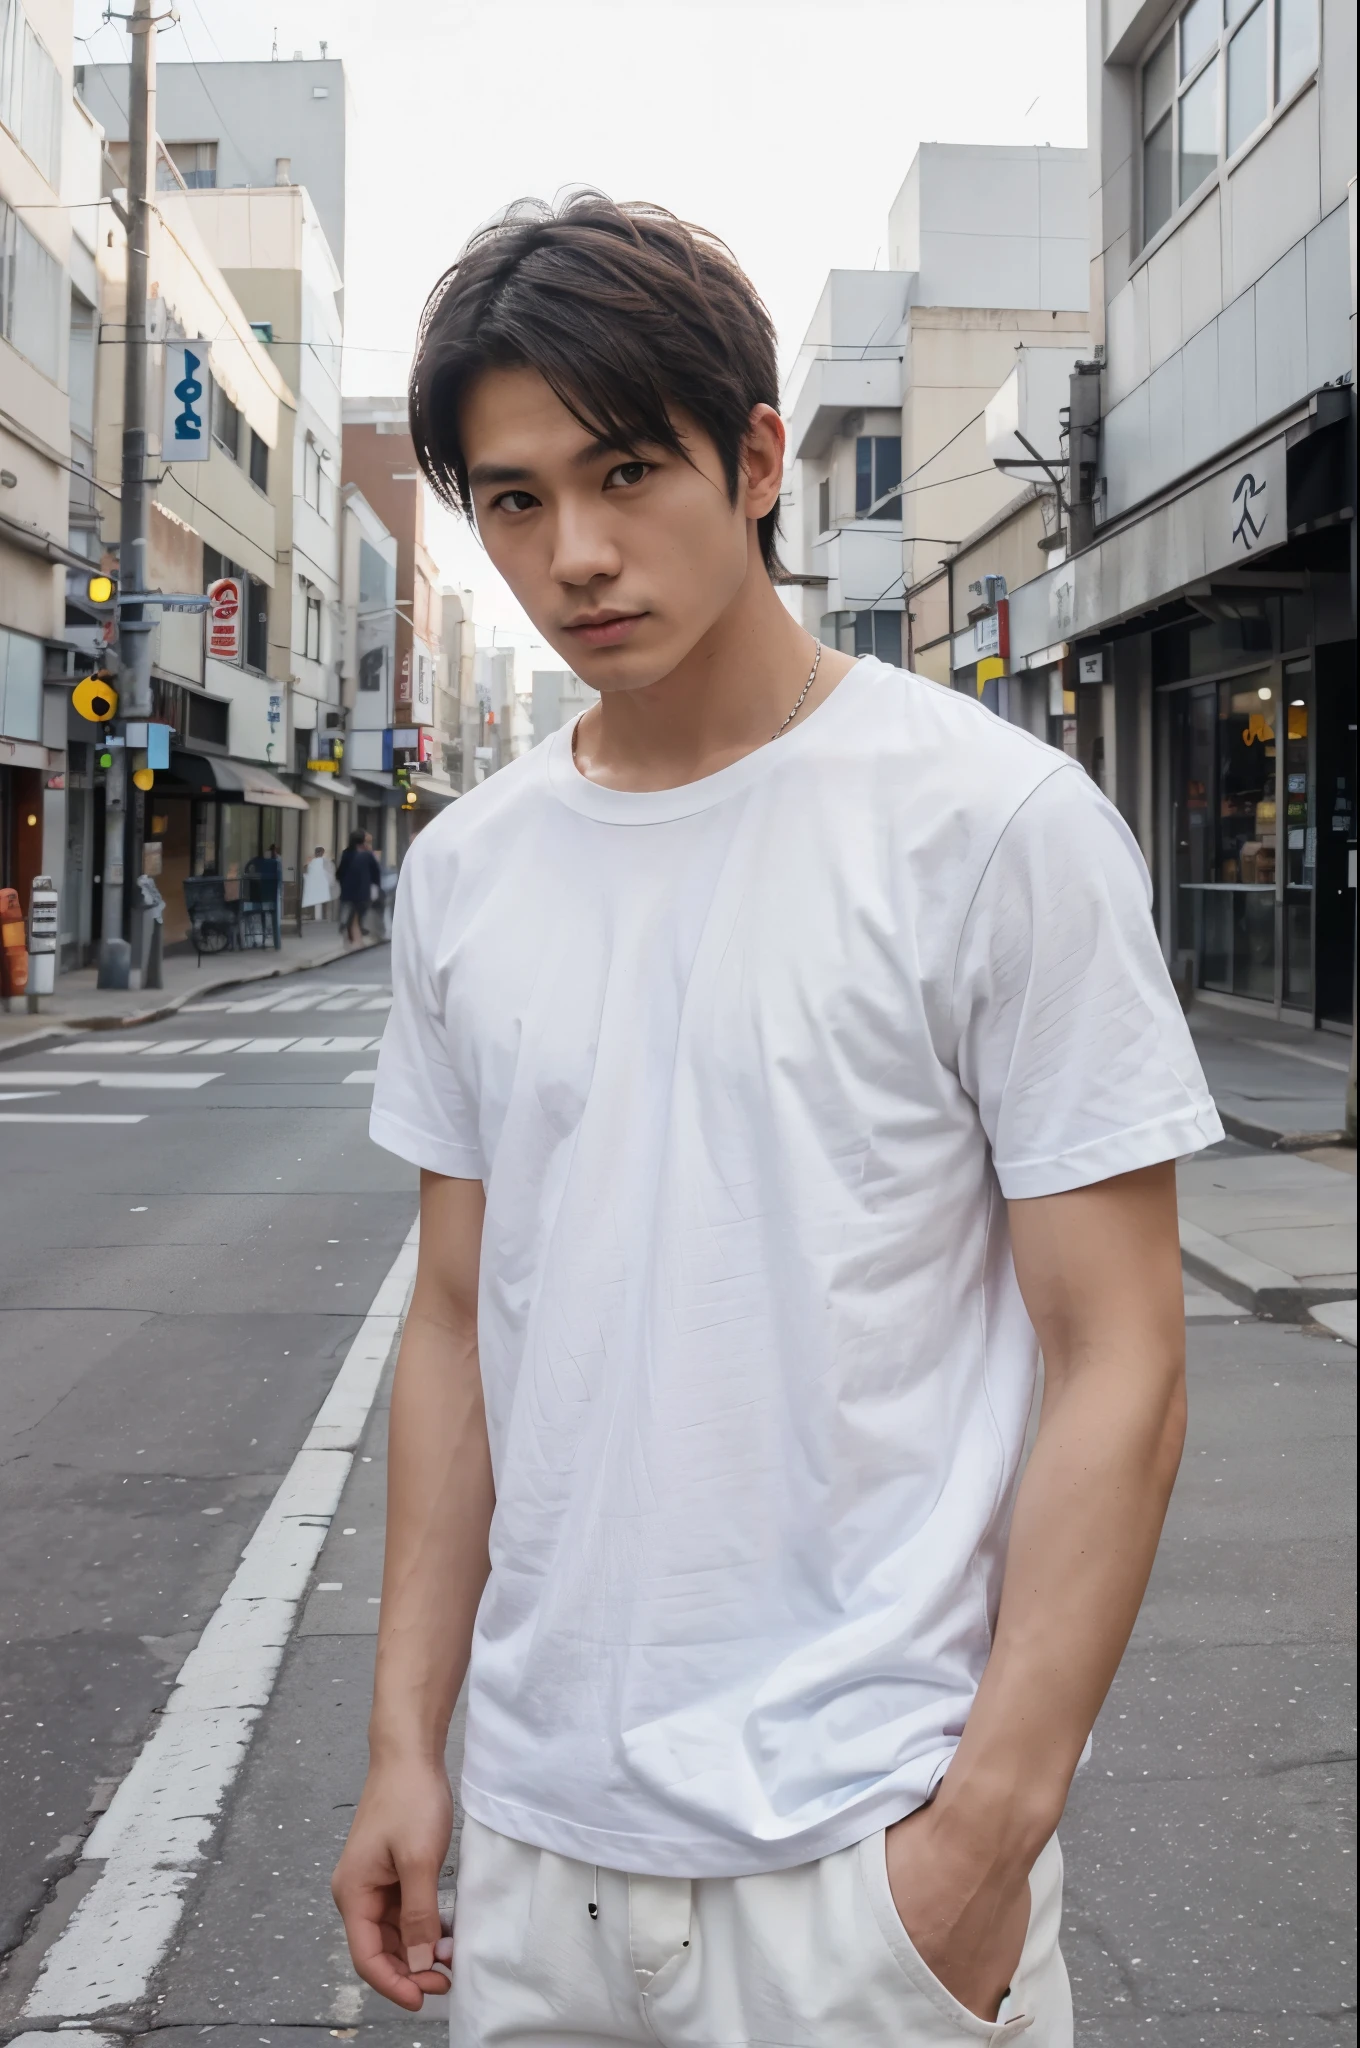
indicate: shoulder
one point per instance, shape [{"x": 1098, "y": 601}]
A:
[{"x": 471, "y": 826}]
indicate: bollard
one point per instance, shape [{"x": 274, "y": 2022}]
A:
[{"x": 43, "y": 909}]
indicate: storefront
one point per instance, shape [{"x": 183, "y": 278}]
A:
[
  {"x": 212, "y": 816},
  {"x": 1258, "y": 738}
]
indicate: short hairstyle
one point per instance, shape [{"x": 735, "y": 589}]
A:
[{"x": 628, "y": 313}]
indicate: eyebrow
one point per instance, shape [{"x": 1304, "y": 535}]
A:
[{"x": 488, "y": 473}]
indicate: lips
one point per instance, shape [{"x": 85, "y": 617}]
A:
[{"x": 608, "y": 630}]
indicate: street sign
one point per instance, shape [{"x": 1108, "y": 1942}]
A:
[
  {"x": 1091, "y": 668},
  {"x": 225, "y": 609},
  {"x": 184, "y": 428}
]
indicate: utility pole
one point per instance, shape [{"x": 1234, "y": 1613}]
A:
[{"x": 134, "y": 626}]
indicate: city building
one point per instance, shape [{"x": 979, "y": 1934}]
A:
[
  {"x": 223, "y": 801},
  {"x": 242, "y": 125},
  {"x": 457, "y": 715},
  {"x": 557, "y": 697},
  {"x": 1204, "y": 619},
  {"x": 380, "y": 461},
  {"x": 368, "y": 664},
  {"x": 888, "y": 467},
  {"x": 49, "y": 298}
]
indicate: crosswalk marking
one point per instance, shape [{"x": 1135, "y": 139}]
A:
[
  {"x": 38, "y": 1116},
  {"x": 113, "y": 1045},
  {"x": 136, "y": 1078},
  {"x": 362, "y": 1074}
]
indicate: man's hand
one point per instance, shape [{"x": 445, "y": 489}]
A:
[
  {"x": 386, "y": 1883},
  {"x": 966, "y": 1917}
]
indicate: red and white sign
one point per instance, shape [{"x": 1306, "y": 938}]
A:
[{"x": 226, "y": 608}]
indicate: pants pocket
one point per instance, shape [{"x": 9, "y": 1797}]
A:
[{"x": 959, "y": 2022}]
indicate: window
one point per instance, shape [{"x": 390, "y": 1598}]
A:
[
  {"x": 824, "y": 505},
  {"x": 878, "y": 469},
  {"x": 32, "y": 288},
  {"x": 257, "y": 624},
  {"x": 1209, "y": 86},
  {"x": 879, "y": 633},
  {"x": 226, "y": 423},
  {"x": 312, "y": 474},
  {"x": 196, "y": 163},
  {"x": 311, "y": 623},
  {"x": 1296, "y": 47},
  {"x": 259, "y": 461},
  {"x": 30, "y": 91}
]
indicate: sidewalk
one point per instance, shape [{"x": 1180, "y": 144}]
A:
[
  {"x": 79, "y": 1005},
  {"x": 1268, "y": 1218}
]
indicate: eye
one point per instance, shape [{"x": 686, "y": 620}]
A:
[
  {"x": 514, "y": 501},
  {"x": 626, "y": 473}
]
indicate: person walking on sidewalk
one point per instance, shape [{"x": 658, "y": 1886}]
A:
[
  {"x": 787, "y": 1053},
  {"x": 318, "y": 879},
  {"x": 360, "y": 880}
]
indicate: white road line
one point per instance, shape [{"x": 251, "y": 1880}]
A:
[
  {"x": 25, "y": 1094},
  {"x": 138, "y": 1078},
  {"x": 332, "y": 1044},
  {"x": 162, "y": 1818},
  {"x": 38, "y": 1116},
  {"x": 363, "y": 1074},
  {"x": 114, "y": 1045}
]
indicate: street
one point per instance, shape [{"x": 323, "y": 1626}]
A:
[{"x": 178, "y": 1295}]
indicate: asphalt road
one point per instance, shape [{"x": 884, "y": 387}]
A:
[
  {"x": 176, "y": 1291},
  {"x": 1210, "y": 1874}
]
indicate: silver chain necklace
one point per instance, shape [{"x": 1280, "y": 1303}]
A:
[{"x": 802, "y": 694}]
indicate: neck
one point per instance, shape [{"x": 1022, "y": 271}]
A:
[{"x": 729, "y": 695}]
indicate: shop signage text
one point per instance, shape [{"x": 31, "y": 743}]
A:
[{"x": 224, "y": 618}]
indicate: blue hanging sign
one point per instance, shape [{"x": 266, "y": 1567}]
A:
[{"x": 186, "y": 428}]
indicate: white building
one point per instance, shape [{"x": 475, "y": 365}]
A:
[
  {"x": 1210, "y": 606},
  {"x": 887, "y": 459}
]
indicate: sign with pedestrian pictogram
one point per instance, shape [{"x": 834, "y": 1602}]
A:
[
  {"x": 225, "y": 612},
  {"x": 184, "y": 425}
]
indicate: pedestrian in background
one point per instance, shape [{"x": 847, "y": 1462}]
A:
[
  {"x": 360, "y": 880},
  {"x": 788, "y": 1055},
  {"x": 318, "y": 884}
]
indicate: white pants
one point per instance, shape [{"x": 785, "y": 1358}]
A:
[{"x": 814, "y": 1957}]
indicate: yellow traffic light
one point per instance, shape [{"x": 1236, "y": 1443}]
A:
[
  {"x": 144, "y": 778},
  {"x": 95, "y": 699},
  {"x": 100, "y": 589}
]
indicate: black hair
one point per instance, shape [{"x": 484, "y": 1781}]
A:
[{"x": 628, "y": 313}]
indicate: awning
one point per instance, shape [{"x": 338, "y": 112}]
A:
[
  {"x": 235, "y": 781},
  {"x": 433, "y": 796},
  {"x": 328, "y": 785}
]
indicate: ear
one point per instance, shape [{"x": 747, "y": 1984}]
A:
[{"x": 762, "y": 461}]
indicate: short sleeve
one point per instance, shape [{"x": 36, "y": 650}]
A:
[
  {"x": 421, "y": 1110},
  {"x": 1070, "y": 1038}
]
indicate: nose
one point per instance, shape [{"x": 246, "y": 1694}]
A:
[{"x": 584, "y": 551}]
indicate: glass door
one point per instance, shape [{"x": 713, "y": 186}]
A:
[
  {"x": 1300, "y": 834},
  {"x": 1225, "y": 832}
]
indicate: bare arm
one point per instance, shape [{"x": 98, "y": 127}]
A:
[
  {"x": 439, "y": 1502},
  {"x": 1101, "y": 1276}
]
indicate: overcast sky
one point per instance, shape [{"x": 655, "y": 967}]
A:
[{"x": 784, "y": 125}]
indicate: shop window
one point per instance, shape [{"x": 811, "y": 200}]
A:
[
  {"x": 259, "y": 461},
  {"x": 1210, "y": 84},
  {"x": 1225, "y": 829},
  {"x": 878, "y": 469}
]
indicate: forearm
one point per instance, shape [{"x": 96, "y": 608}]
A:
[
  {"x": 1084, "y": 1534},
  {"x": 1088, "y": 1515},
  {"x": 439, "y": 1503}
]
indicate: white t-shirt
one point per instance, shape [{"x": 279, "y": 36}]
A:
[{"x": 747, "y": 1068}]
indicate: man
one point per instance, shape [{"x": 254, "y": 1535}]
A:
[
  {"x": 360, "y": 882},
  {"x": 787, "y": 1054}
]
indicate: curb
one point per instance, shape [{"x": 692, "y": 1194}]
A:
[
  {"x": 174, "y": 1004},
  {"x": 1268, "y": 1140},
  {"x": 1264, "y": 1289}
]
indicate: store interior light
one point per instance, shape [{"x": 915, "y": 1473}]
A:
[
  {"x": 1297, "y": 701},
  {"x": 1265, "y": 693}
]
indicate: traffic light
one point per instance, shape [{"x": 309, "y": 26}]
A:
[
  {"x": 95, "y": 699},
  {"x": 101, "y": 589}
]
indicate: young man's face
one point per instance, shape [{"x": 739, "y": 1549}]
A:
[{"x": 622, "y": 558}]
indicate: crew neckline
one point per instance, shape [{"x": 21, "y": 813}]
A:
[{"x": 659, "y": 806}]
